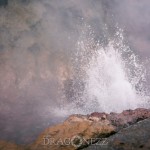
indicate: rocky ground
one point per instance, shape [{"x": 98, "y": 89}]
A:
[
  {"x": 135, "y": 137},
  {"x": 129, "y": 130}
]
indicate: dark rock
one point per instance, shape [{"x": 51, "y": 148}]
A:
[{"x": 135, "y": 137}]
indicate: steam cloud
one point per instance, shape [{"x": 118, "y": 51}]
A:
[{"x": 37, "y": 42}]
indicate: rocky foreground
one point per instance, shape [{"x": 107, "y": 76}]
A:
[{"x": 129, "y": 130}]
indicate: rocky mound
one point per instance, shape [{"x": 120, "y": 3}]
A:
[
  {"x": 79, "y": 131},
  {"x": 70, "y": 134},
  {"x": 126, "y": 130}
]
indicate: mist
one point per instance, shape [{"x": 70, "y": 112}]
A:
[{"x": 38, "y": 44}]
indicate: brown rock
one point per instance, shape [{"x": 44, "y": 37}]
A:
[
  {"x": 77, "y": 131},
  {"x": 124, "y": 119},
  {"x": 129, "y": 117}
]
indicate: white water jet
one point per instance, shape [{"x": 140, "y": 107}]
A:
[
  {"x": 107, "y": 84},
  {"x": 114, "y": 78}
]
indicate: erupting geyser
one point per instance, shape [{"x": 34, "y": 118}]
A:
[
  {"x": 109, "y": 77},
  {"x": 64, "y": 57}
]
